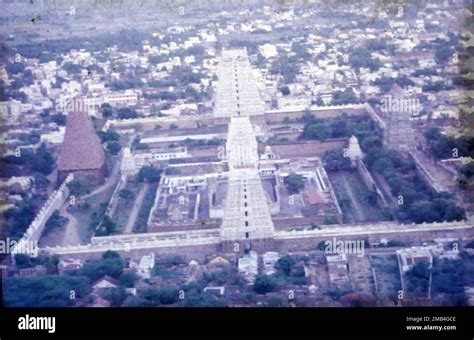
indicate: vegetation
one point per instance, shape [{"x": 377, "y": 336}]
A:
[
  {"x": 28, "y": 162},
  {"x": 126, "y": 113},
  {"x": 335, "y": 160},
  {"x": 449, "y": 277},
  {"x": 109, "y": 136},
  {"x": 286, "y": 67},
  {"x": 361, "y": 57},
  {"x": 149, "y": 174},
  {"x": 44, "y": 291},
  {"x": 113, "y": 147},
  {"x": 343, "y": 126},
  {"x": 16, "y": 220},
  {"x": 106, "y": 110},
  {"x": 344, "y": 97},
  {"x": 264, "y": 284},
  {"x": 227, "y": 275},
  {"x": 110, "y": 264},
  {"x": 418, "y": 279},
  {"x": 202, "y": 142},
  {"x": 107, "y": 227},
  {"x": 147, "y": 203},
  {"x": 294, "y": 182},
  {"x": 79, "y": 187},
  {"x": 56, "y": 221},
  {"x": 442, "y": 146},
  {"x": 419, "y": 204}
]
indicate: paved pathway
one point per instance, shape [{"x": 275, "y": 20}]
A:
[
  {"x": 71, "y": 234},
  {"x": 136, "y": 208}
]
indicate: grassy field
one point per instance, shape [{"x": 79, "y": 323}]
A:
[
  {"x": 387, "y": 274},
  {"x": 352, "y": 195},
  {"x": 125, "y": 205},
  {"x": 142, "y": 218}
]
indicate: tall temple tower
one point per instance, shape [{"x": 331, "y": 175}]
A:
[
  {"x": 237, "y": 93},
  {"x": 398, "y": 109},
  {"x": 81, "y": 152},
  {"x": 247, "y": 221}
]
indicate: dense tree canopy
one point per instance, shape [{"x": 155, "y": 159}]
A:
[
  {"x": 149, "y": 174},
  {"x": 294, "y": 182}
]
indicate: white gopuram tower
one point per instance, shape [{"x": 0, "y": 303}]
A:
[
  {"x": 237, "y": 93},
  {"x": 247, "y": 223},
  {"x": 354, "y": 150}
]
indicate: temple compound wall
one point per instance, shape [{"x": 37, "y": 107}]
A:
[
  {"x": 35, "y": 229},
  {"x": 199, "y": 245}
]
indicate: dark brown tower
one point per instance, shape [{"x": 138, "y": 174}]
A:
[{"x": 81, "y": 152}]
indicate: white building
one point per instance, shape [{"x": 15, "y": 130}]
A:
[
  {"x": 147, "y": 263},
  {"x": 408, "y": 257},
  {"x": 248, "y": 266}
]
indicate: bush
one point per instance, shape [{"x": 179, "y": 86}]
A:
[
  {"x": 294, "y": 182},
  {"x": 114, "y": 147},
  {"x": 285, "y": 264},
  {"x": 128, "y": 279},
  {"x": 264, "y": 284},
  {"x": 108, "y": 136},
  {"x": 56, "y": 221},
  {"x": 335, "y": 160},
  {"x": 79, "y": 187},
  {"x": 149, "y": 174},
  {"x": 96, "y": 269},
  {"x": 168, "y": 295},
  {"x": 126, "y": 194},
  {"x": 44, "y": 291}
]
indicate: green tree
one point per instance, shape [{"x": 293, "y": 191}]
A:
[
  {"x": 110, "y": 254},
  {"x": 128, "y": 279},
  {"x": 126, "y": 194},
  {"x": 149, "y": 174},
  {"x": 44, "y": 290},
  {"x": 285, "y": 90},
  {"x": 59, "y": 119},
  {"x": 126, "y": 113},
  {"x": 109, "y": 136},
  {"x": 95, "y": 269},
  {"x": 285, "y": 264},
  {"x": 294, "y": 182},
  {"x": 43, "y": 161},
  {"x": 113, "y": 147},
  {"x": 106, "y": 110},
  {"x": 335, "y": 160},
  {"x": 418, "y": 279},
  {"x": 264, "y": 284},
  {"x": 319, "y": 131},
  {"x": 344, "y": 97},
  {"x": 56, "y": 221},
  {"x": 79, "y": 187},
  {"x": 22, "y": 261},
  {"x": 116, "y": 296}
]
